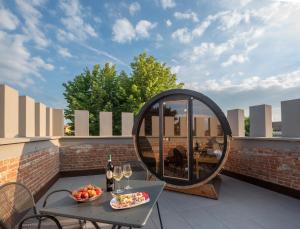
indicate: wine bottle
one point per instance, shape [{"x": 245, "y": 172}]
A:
[{"x": 109, "y": 176}]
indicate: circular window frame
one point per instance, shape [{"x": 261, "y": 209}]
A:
[{"x": 206, "y": 101}]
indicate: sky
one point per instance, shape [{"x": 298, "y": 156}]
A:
[{"x": 239, "y": 53}]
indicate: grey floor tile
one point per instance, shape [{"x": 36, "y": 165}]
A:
[
  {"x": 201, "y": 219},
  {"x": 242, "y": 224}
]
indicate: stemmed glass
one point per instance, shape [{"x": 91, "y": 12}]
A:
[
  {"x": 127, "y": 173},
  {"x": 117, "y": 175}
]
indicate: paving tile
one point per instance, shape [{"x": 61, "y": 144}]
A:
[
  {"x": 242, "y": 224},
  {"x": 201, "y": 219}
]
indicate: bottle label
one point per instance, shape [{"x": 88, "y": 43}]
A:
[{"x": 109, "y": 174}]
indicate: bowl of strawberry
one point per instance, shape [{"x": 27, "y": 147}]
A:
[{"x": 87, "y": 193}]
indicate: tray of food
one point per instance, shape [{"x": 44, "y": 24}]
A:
[
  {"x": 87, "y": 193},
  {"x": 130, "y": 200}
]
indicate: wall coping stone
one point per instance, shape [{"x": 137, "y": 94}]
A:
[
  {"x": 268, "y": 139},
  {"x": 9, "y": 141}
]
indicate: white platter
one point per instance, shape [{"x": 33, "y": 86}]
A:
[{"x": 114, "y": 200}]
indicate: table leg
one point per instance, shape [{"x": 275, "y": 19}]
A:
[
  {"x": 81, "y": 224},
  {"x": 95, "y": 225},
  {"x": 161, "y": 225}
]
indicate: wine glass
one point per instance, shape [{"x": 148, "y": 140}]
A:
[
  {"x": 117, "y": 175},
  {"x": 127, "y": 173}
]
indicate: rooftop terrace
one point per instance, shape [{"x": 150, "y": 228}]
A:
[{"x": 35, "y": 153}]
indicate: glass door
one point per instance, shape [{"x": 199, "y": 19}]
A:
[{"x": 175, "y": 139}]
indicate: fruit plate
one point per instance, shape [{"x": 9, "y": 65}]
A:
[
  {"x": 130, "y": 200},
  {"x": 87, "y": 193}
]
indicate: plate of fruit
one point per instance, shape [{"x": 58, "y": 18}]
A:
[
  {"x": 130, "y": 200},
  {"x": 87, "y": 193}
]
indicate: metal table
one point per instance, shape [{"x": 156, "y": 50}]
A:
[{"x": 100, "y": 210}]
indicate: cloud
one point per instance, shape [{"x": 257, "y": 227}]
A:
[
  {"x": 168, "y": 23},
  {"x": 143, "y": 27},
  {"x": 231, "y": 94},
  {"x": 168, "y": 4},
  {"x": 32, "y": 17},
  {"x": 268, "y": 16},
  {"x": 123, "y": 31},
  {"x": 17, "y": 65},
  {"x": 239, "y": 58},
  {"x": 134, "y": 8},
  {"x": 182, "y": 35},
  {"x": 104, "y": 53},
  {"x": 190, "y": 15},
  {"x": 64, "y": 52},
  {"x": 235, "y": 58},
  {"x": 175, "y": 69},
  {"x": 75, "y": 26},
  {"x": 159, "y": 38},
  {"x": 97, "y": 19},
  {"x": 210, "y": 48},
  {"x": 234, "y": 18},
  {"x": 8, "y": 20},
  {"x": 198, "y": 31},
  {"x": 279, "y": 82},
  {"x": 206, "y": 51}
]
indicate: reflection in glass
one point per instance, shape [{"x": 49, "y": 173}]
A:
[
  {"x": 191, "y": 140},
  {"x": 149, "y": 138},
  {"x": 175, "y": 141},
  {"x": 208, "y": 141}
]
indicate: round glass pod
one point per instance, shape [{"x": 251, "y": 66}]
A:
[{"x": 182, "y": 137}]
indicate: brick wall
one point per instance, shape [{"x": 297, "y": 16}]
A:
[
  {"x": 94, "y": 156},
  {"x": 276, "y": 161},
  {"x": 269, "y": 160},
  {"x": 34, "y": 169}
]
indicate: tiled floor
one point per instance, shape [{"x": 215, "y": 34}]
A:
[{"x": 240, "y": 206}]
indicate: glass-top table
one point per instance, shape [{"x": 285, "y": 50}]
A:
[{"x": 100, "y": 210}]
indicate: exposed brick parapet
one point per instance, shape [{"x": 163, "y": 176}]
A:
[
  {"x": 268, "y": 163},
  {"x": 94, "y": 156},
  {"x": 36, "y": 162},
  {"x": 34, "y": 169}
]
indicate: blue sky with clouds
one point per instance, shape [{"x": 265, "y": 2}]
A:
[{"x": 240, "y": 53}]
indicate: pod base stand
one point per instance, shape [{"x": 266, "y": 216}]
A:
[{"x": 208, "y": 190}]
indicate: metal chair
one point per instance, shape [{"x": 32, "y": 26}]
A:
[
  {"x": 81, "y": 222},
  {"x": 18, "y": 209}
]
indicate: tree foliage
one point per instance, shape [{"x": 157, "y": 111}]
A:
[
  {"x": 247, "y": 126},
  {"x": 150, "y": 77},
  {"x": 103, "y": 89}
]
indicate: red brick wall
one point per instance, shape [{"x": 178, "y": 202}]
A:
[
  {"x": 274, "y": 164},
  {"x": 94, "y": 156},
  {"x": 277, "y": 162},
  {"x": 34, "y": 169}
]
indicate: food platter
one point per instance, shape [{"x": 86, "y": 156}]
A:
[
  {"x": 86, "y": 193},
  {"x": 129, "y": 200}
]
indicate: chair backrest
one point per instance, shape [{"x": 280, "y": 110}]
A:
[{"x": 16, "y": 201}]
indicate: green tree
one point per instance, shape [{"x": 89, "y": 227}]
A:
[
  {"x": 102, "y": 89},
  {"x": 95, "y": 91},
  {"x": 247, "y": 126},
  {"x": 149, "y": 77}
]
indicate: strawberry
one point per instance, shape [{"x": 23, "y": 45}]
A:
[
  {"x": 146, "y": 195},
  {"x": 98, "y": 191}
]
